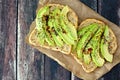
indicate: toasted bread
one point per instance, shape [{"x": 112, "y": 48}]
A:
[
  {"x": 113, "y": 43},
  {"x": 66, "y": 49}
]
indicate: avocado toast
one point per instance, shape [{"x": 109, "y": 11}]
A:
[
  {"x": 55, "y": 28},
  {"x": 96, "y": 44}
]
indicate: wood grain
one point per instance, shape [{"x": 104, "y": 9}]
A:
[
  {"x": 30, "y": 63},
  {"x": 53, "y": 71},
  {"x": 110, "y": 10},
  {"x": 90, "y": 3},
  {"x": 8, "y": 18}
]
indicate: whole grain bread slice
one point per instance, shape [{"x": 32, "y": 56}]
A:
[
  {"x": 66, "y": 49},
  {"x": 113, "y": 44}
]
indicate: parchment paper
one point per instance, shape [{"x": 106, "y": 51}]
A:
[{"x": 67, "y": 61}]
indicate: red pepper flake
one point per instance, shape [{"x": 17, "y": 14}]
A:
[{"x": 89, "y": 50}]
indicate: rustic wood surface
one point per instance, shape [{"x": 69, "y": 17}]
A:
[
  {"x": 18, "y": 61},
  {"x": 8, "y": 18}
]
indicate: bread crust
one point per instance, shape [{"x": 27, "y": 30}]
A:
[{"x": 66, "y": 49}]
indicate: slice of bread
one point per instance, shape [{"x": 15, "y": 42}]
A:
[
  {"x": 66, "y": 49},
  {"x": 113, "y": 44}
]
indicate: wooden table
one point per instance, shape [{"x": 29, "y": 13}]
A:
[{"x": 18, "y": 61}]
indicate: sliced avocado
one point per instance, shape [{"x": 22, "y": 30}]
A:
[
  {"x": 64, "y": 36},
  {"x": 54, "y": 34},
  {"x": 87, "y": 53},
  {"x": 57, "y": 40},
  {"x": 87, "y": 58},
  {"x": 43, "y": 26},
  {"x": 67, "y": 30},
  {"x": 85, "y": 38},
  {"x": 95, "y": 42},
  {"x": 83, "y": 30},
  {"x": 63, "y": 33},
  {"x": 48, "y": 38},
  {"x": 43, "y": 11},
  {"x": 41, "y": 37},
  {"x": 39, "y": 21},
  {"x": 104, "y": 45},
  {"x": 40, "y": 24},
  {"x": 67, "y": 25},
  {"x": 105, "y": 52}
]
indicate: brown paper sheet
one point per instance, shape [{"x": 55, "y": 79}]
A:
[{"x": 67, "y": 61}]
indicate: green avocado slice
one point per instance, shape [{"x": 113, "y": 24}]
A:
[
  {"x": 57, "y": 40},
  {"x": 41, "y": 25},
  {"x": 82, "y": 31},
  {"x": 87, "y": 58},
  {"x": 67, "y": 30},
  {"x": 95, "y": 42},
  {"x": 64, "y": 36},
  {"x": 41, "y": 37},
  {"x": 49, "y": 39},
  {"x": 54, "y": 34},
  {"x": 41, "y": 12},
  {"x": 84, "y": 39},
  {"x": 86, "y": 53},
  {"x": 104, "y": 45},
  {"x": 66, "y": 24}
]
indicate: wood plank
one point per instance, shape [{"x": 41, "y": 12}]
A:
[
  {"x": 53, "y": 71},
  {"x": 111, "y": 11},
  {"x": 8, "y": 12},
  {"x": 90, "y": 3},
  {"x": 93, "y": 5},
  {"x": 30, "y": 62}
]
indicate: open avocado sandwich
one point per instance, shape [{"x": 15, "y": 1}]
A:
[
  {"x": 55, "y": 28},
  {"x": 96, "y": 44},
  {"x": 91, "y": 44}
]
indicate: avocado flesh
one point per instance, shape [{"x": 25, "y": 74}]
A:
[
  {"x": 41, "y": 25},
  {"x": 87, "y": 53},
  {"x": 59, "y": 29},
  {"x": 95, "y": 42},
  {"x": 56, "y": 38},
  {"x": 67, "y": 30},
  {"x": 104, "y": 46},
  {"x": 83, "y": 30},
  {"x": 41, "y": 12},
  {"x": 87, "y": 58},
  {"x": 80, "y": 33},
  {"x": 49, "y": 39},
  {"x": 62, "y": 33},
  {"x": 64, "y": 36},
  {"x": 84, "y": 40},
  {"x": 66, "y": 24},
  {"x": 41, "y": 37}
]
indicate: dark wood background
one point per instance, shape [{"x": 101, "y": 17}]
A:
[{"x": 18, "y": 61}]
